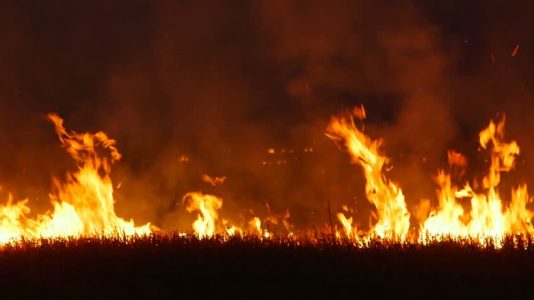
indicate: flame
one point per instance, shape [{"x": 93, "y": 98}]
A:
[
  {"x": 393, "y": 218},
  {"x": 232, "y": 230},
  {"x": 207, "y": 223},
  {"x": 213, "y": 181},
  {"x": 350, "y": 232},
  {"x": 255, "y": 224},
  {"x": 13, "y": 219},
  {"x": 83, "y": 205},
  {"x": 488, "y": 219},
  {"x": 85, "y": 199},
  {"x": 208, "y": 207},
  {"x": 446, "y": 221},
  {"x": 83, "y": 202}
]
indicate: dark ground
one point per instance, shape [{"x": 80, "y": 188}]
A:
[{"x": 187, "y": 268}]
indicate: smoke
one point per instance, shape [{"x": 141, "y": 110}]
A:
[{"x": 190, "y": 88}]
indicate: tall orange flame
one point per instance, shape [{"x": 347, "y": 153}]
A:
[
  {"x": 393, "y": 218},
  {"x": 83, "y": 205}
]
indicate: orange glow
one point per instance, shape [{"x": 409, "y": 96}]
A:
[{"x": 214, "y": 181}]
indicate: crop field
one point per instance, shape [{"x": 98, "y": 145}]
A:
[{"x": 174, "y": 266}]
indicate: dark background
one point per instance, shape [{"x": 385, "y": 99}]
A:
[{"x": 223, "y": 81}]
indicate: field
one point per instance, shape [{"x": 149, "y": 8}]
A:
[{"x": 184, "y": 267}]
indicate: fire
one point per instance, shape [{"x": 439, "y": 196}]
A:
[
  {"x": 208, "y": 207},
  {"x": 350, "y": 232},
  {"x": 85, "y": 199},
  {"x": 446, "y": 221},
  {"x": 393, "y": 218},
  {"x": 232, "y": 230},
  {"x": 12, "y": 217},
  {"x": 255, "y": 224},
  {"x": 207, "y": 224},
  {"x": 83, "y": 205},
  {"x": 489, "y": 219}
]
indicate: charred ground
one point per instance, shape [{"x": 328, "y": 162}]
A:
[{"x": 160, "y": 267}]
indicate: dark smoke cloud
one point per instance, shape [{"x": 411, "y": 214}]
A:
[{"x": 220, "y": 82}]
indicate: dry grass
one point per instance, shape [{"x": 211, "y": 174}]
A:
[{"x": 172, "y": 266}]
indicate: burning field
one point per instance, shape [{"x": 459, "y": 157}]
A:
[
  {"x": 276, "y": 148},
  {"x": 83, "y": 204},
  {"x": 82, "y": 233}
]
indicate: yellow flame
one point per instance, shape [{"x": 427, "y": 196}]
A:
[
  {"x": 89, "y": 191},
  {"x": 393, "y": 217},
  {"x": 487, "y": 220},
  {"x": 83, "y": 204},
  {"x": 208, "y": 207},
  {"x": 256, "y": 225},
  {"x": 13, "y": 219},
  {"x": 350, "y": 232}
]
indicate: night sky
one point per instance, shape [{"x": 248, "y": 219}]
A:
[{"x": 223, "y": 81}]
